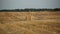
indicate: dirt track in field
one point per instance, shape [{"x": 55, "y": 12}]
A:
[{"x": 29, "y": 22}]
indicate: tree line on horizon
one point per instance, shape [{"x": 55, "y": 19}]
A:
[{"x": 32, "y": 9}]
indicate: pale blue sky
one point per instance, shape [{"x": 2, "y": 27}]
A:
[{"x": 14, "y": 4}]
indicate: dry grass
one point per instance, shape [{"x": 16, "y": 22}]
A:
[{"x": 29, "y": 22}]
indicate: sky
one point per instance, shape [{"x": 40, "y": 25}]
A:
[{"x": 19, "y": 4}]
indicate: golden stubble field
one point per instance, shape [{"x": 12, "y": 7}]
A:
[{"x": 30, "y": 22}]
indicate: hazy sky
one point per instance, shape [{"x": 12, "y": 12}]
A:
[{"x": 14, "y": 4}]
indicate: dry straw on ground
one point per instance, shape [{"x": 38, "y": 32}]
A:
[{"x": 29, "y": 22}]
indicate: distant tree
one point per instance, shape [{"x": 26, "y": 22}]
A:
[{"x": 57, "y": 9}]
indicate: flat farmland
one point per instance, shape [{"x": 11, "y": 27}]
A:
[{"x": 43, "y": 22}]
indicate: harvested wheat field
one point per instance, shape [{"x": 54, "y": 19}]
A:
[{"x": 30, "y": 22}]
